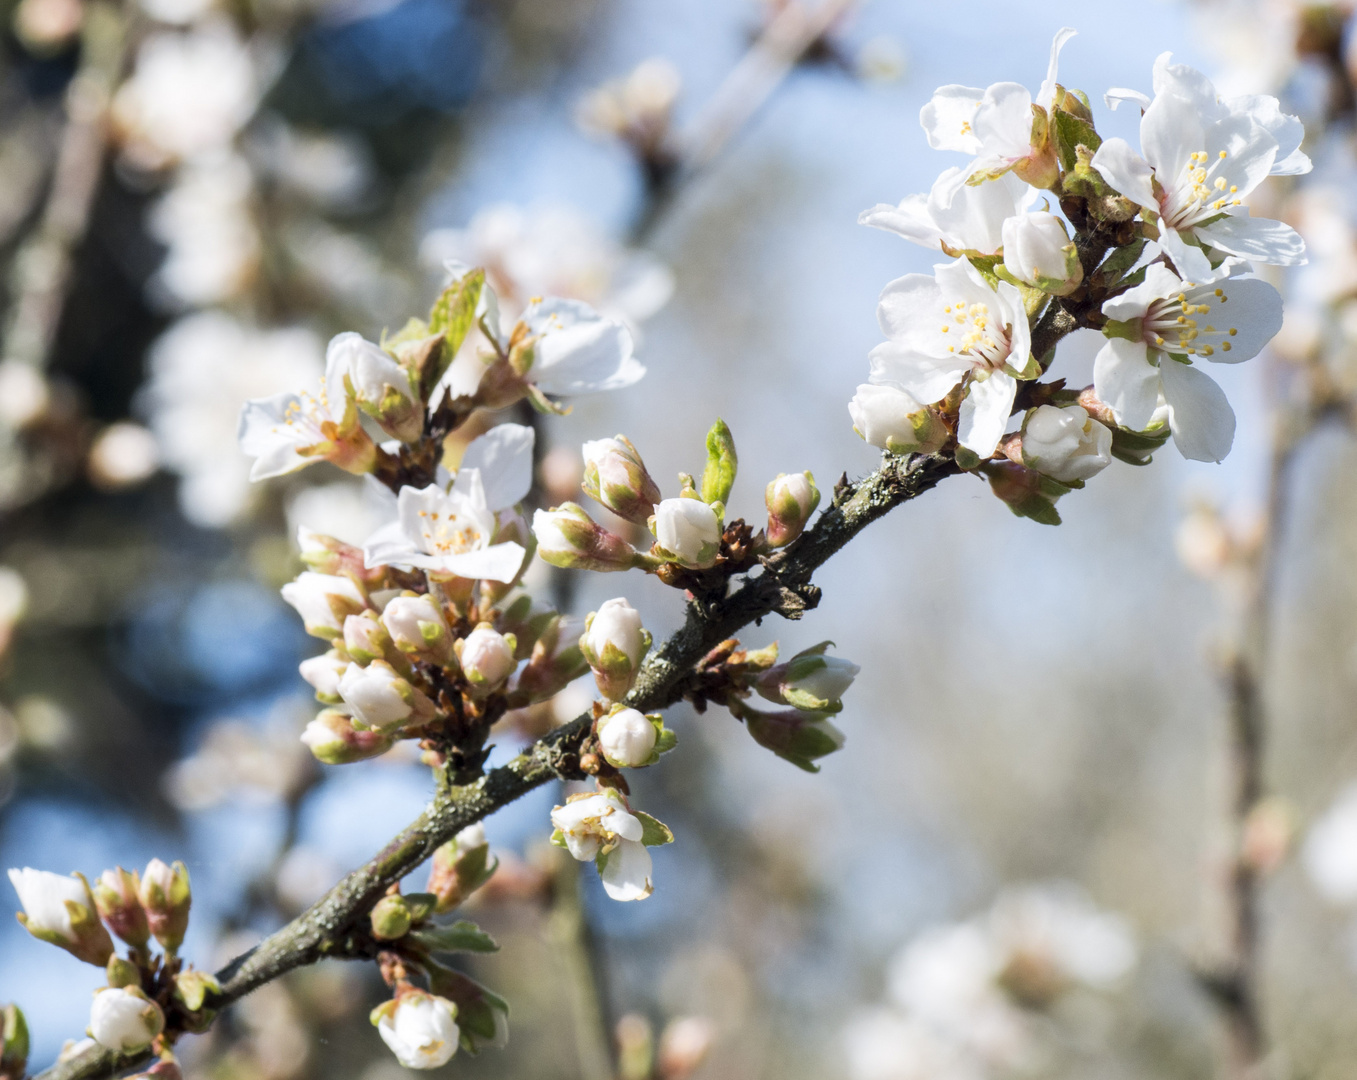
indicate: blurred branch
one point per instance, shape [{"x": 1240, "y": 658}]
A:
[
  {"x": 574, "y": 939},
  {"x": 789, "y": 36},
  {"x": 330, "y": 927},
  {"x": 43, "y": 266}
]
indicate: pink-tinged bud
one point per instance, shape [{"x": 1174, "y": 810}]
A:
[
  {"x": 13, "y": 1043},
  {"x": 324, "y": 673},
  {"x": 487, "y": 657},
  {"x": 684, "y": 1045},
  {"x": 61, "y": 911},
  {"x": 326, "y": 555},
  {"x": 117, "y": 896},
  {"x": 366, "y": 639},
  {"x": 161, "y": 1070},
  {"x": 417, "y": 627},
  {"x": 166, "y": 898},
  {"x": 614, "y": 644},
  {"x": 460, "y": 867},
  {"x": 381, "y": 699},
  {"x": 796, "y": 736},
  {"x": 791, "y": 499},
  {"x": 324, "y": 601},
  {"x": 569, "y": 537},
  {"x": 616, "y": 477},
  {"x": 333, "y": 739},
  {"x": 124, "y": 1019}
]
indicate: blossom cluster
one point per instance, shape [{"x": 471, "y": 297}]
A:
[{"x": 1155, "y": 249}]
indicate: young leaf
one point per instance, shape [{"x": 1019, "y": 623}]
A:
[
  {"x": 719, "y": 475},
  {"x": 461, "y": 936},
  {"x": 654, "y": 832}
]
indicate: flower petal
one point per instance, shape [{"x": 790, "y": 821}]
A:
[
  {"x": 1126, "y": 381},
  {"x": 626, "y": 874},
  {"x": 909, "y": 312},
  {"x": 1004, "y": 120},
  {"x": 911, "y": 219},
  {"x": 1171, "y": 131},
  {"x": 1047, "y": 90},
  {"x": 1190, "y": 261},
  {"x": 1247, "y": 305},
  {"x": 503, "y": 456},
  {"x": 948, "y": 119},
  {"x": 1263, "y": 239},
  {"x": 926, "y": 378},
  {"x": 1118, "y": 94},
  {"x": 498, "y": 562},
  {"x": 1199, "y": 413},
  {"x": 985, "y": 411},
  {"x": 1126, "y": 171}
]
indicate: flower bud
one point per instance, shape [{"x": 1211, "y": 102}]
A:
[
  {"x": 324, "y": 673},
  {"x": 61, "y": 911},
  {"x": 689, "y": 531},
  {"x": 419, "y": 1028},
  {"x": 487, "y": 657},
  {"x": 1065, "y": 443},
  {"x": 1038, "y": 252},
  {"x": 333, "y": 739},
  {"x": 810, "y": 680},
  {"x": 116, "y": 895},
  {"x": 391, "y": 918},
  {"x": 890, "y": 419},
  {"x": 326, "y": 555},
  {"x": 380, "y": 385},
  {"x": 365, "y": 638},
  {"x": 627, "y": 738},
  {"x": 614, "y": 643},
  {"x": 324, "y": 601},
  {"x": 13, "y": 1043},
  {"x": 791, "y": 499},
  {"x": 417, "y": 626},
  {"x": 166, "y": 897},
  {"x": 191, "y": 988},
  {"x": 615, "y": 476},
  {"x": 569, "y": 537},
  {"x": 460, "y": 867},
  {"x": 796, "y": 736},
  {"x": 122, "y": 972},
  {"x": 1026, "y": 492},
  {"x": 124, "y": 1019},
  {"x": 381, "y": 699}
]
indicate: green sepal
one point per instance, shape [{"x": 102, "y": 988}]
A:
[
  {"x": 191, "y": 988},
  {"x": 719, "y": 475},
  {"x": 1136, "y": 447},
  {"x": 966, "y": 458},
  {"x": 544, "y": 404},
  {"x": 461, "y": 936},
  {"x": 557, "y": 838},
  {"x": 14, "y": 1042},
  {"x": 1129, "y": 330},
  {"x": 421, "y": 905},
  {"x": 989, "y": 267},
  {"x": 655, "y": 833}
]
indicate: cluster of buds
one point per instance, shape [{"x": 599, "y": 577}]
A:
[
  {"x": 690, "y": 533},
  {"x": 130, "y": 1013}
]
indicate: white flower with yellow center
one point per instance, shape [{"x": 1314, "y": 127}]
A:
[
  {"x": 1156, "y": 331},
  {"x": 600, "y": 827},
  {"x": 452, "y": 530},
  {"x": 955, "y": 216},
  {"x": 954, "y": 326},
  {"x": 1200, "y": 159}
]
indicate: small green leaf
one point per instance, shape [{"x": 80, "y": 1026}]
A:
[
  {"x": 461, "y": 936},
  {"x": 655, "y": 831},
  {"x": 1072, "y": 132},
  {"x": 665, "y": 740},
  {"x": 719, "y": 475},
  {"x": 455, "y": 309},
  {"x": 1121, "y": 260}
]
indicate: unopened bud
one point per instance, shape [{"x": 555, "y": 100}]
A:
[
  {"x": 324, "y": 673},
  {"x": 366, "y": 639},
  {"x": 810, "y": 680},
  {"x": 688, "y": 532},
  {"x": 460, "y": 867},
  {"x": 381, "y": 386},
  {"x": 326, "y": 555},
  {"x": 417, "y": 626},
  {"x": 166, "y": 898},
  {"x": 391, "y": 918},
  {"x": 419, "y": 1028},
  {"x": 120, "y": 972},
  {"x": 567, "y": 536},
  {"x": 381, "y": 699},
  {"x": 1066, "y": 444},
  {"x": 796, "y": 736},
  {"x": 1026, "y": 492},
  {"x": 891, "y": 419},
  {"x": 124, "y": 1019},
  {"x": 191, "y": 988},
  {"x": 614, "y": 644},
  {"x": 627, "y": 738},
  {"x": 615, "y": 476},
  {"x": 791, "y": 499},
  {"x": 1038, "y": 252},
  {"x": 324, "y": 601},
  {"x": 333, "y": 739},
  {"x": 487, "y": 657},
  {"x": 61, "y": 911},
  {"x": 13, "y": 1043},
  {"x": 116, "y": 895}
]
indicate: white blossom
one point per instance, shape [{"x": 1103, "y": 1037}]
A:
[
  {"x": 1330, "y": 851},
  {"x": 627, "y": 738},
  {"x": 689, "y": 530},
  {"x": 892, "y": 419},
  {"x": 1038, "y": 251},
  {"x": 420, "y": 1029},
  {"x": 951, "y": 326},
  {"x": 414, "y": 622},
  {"x": 1202, "y": 157},
  {"x": 323, "y": 673},
  {"x": 44, "y": 897},
  {"x": 1169, "y": 323},
  {"x": 1065, "y": 443},
  {"x": 955, "y": 216},
  {"x": 601, "y": 825},
  {"x": 124, "y": 1019}
]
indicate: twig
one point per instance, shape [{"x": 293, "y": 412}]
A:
[
  {"x": 43, "y": 265},
  {"x": 783, "y": 587}
]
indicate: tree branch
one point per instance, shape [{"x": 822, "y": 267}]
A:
[{"x": 783, "y": 587}]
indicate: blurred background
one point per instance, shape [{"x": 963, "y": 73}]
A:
[{"x": 1014, "y": 867}]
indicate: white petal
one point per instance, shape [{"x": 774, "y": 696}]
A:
[
  {"x": 909, "y": 311},
  {"x": 1250, "y": 151},
  {"x": 1190, "y": 261},
  {"x": 1199, "y": 413},
  {"x": 388, "y": 546},
  {"x": 1126, "y": 381},
  {"x": 911, "y": 219},
  {"x": 1159, "y": 282},
  {"x": 1287, "y": 130},
  {"x": 985, "y": 411},
  {"x": 1047, "y": 90},
  {"x": 1187, "y": 83},
  {"x": 579, "y": 351},
  {"x": 1126, "y": 171},
  {"x": 498, "y": 562},
  {"x": 1263, "y": 239},
  {"x": 628, "y": 826},
  {"x": 1171, "y": 131},
  {"x": 1004, "y": 120},
  {"x": 1251, "y": 307},
  {"x": 1118, "y": 94},
  {"x": 948, "y": 119},
  {"x": 503, "y": 456},
  {"x": 627, "y": 873},
  {"x": 926, "y": 378}
]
